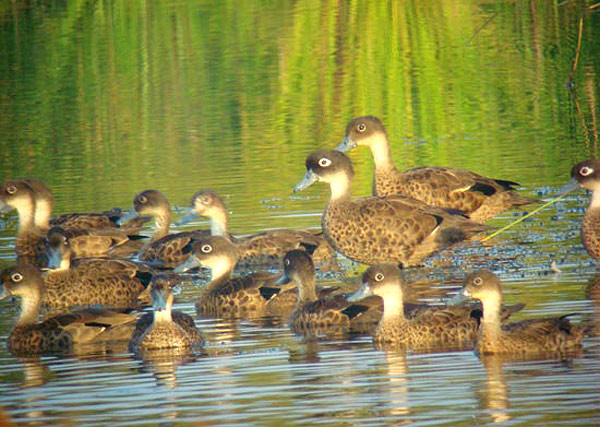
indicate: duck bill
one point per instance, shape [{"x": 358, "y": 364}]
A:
[
  {"x": 346, "y": 144},
  {"x": 364, "y": 291},
  {"x": 460, "y": 298},
  {"x": 282, "y": 280},
  {"x": 568, "y": 187},
  {"x": 127, "y": 216},
  {"x": 3, "y": 292},
  {"x": 309, "y": 179},
  {"x": 188, "y": 217},
  {"x": 54, "y": 259},
  {"x": 159, "y": 301},
  {"x": 191, "y": 262}
]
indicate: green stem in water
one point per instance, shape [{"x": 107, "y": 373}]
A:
[{"x": 524, "y": 217}]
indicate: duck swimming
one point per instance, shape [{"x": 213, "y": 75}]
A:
[
  {"x": 478, "y": 197},
  {"x": 58, "y": 334},
  {"x": 394, "y": 229},
  {"x": 546, "y": 335},
  {"x": 264, "y": 248},
  {"x": 587, "y": 175},
  {"x": 164, "y": 328}
]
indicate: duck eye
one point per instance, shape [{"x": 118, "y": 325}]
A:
[
  {"x": 324, "y": 162},
  {"x": 206, "y": 249},
  {"x": 205, "y": 200},
  {"x": 16, "y": 277},
  {"x": 361, "y": 127},
  {"x": 287, "y": 262},
  {"x": 379, "y": 277},
  {"x": 585, "y": 171},
  {"x": 11, "y": 189},
  {"x": 142, "y": 198},
  {"x": 478, "y": 281}
]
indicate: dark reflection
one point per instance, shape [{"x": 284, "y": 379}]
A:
[
  {"x": 307, "y": 351},
  {"x": 593, "y": 294}
]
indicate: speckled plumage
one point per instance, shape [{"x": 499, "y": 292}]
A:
[
  {"x": 587, "y": 175},
  {"x": 265, "y": 248},
  {"x": 59, "y": 333},
  {"x": 224, "y": 295},
  {"x": 427, "y": 328},
  {"x": 478, "y": 197},
  {"x": 380, "y": 229},
  {"x": 164, "y": 328},
  {"x": 314, "y": 315},
  {"x": 164, "y": 249},
  {"x": 547, "y": 335}
]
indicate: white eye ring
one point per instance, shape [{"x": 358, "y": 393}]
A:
[
  {"x": 478, "y": 281},
  {"x": 287, "y": 262},
  {"x": 585, "y": 171},
  {"x": 361, "y": 127},
  {"x": 205, "y": 200},
  {"x": 142, "y": 199},
  {"x": 11, "y": 189},
  {"x": 379, "y": 277},
  {"x": 16, "y": 277},
  {"x": 206, "y": 249},
  {"x": 324, "y": 162}
]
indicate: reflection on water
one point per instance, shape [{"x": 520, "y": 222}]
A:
[{"x": 104, "y": 99}]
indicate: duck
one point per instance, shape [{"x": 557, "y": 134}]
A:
[
  {"x": 387, "y": 229},
  {"x": 315, "y": 314},
  {"x": 116, "y": 283},
  {"x": 19, "y": 195},
  {"x": 164, "y": 328},
  {"x": 478, "y": 197},
  {"x": 58, "y": 334},
  {"x": 163, "y": 249},
  {"x": 428, "y": 328},
  {"x": 267, "y": 247},
  {"x": 225, "y": 295},
  {"x": 533, "y": 336},
  {"x": 44, "y": 204},
  {"x": 586, "y": 175}
]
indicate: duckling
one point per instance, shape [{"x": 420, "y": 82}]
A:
[
  {"x": 547, "y": 335},
  {"x": 164, "y": 328},
  {"x": 110, "y": 282},
  {"x": 315, "y": 315},
  {"x": 262, "y": 248},
  {"x": 380, "y": 229},
  {"x": 224, "y": 295},
  {"x": 59, "y": 333},
  {"x": 431, "y": 327},
  {"x": 167, "y": 250},
  {"x": 587, "y": 175},
  {"x": 18, "y": 195},
  {"x": 480, "y": 198}
]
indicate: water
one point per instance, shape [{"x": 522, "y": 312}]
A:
[{"x": 103, "y": 100}]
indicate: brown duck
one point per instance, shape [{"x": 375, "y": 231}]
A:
[
  {"x": 225, "y": 295},
  {"x": 428, "y": 328},
  {"x": 109, "y": 282},
  {"x": 393, "y": 229},
  {"x": 58, "y": 334},
  {"x": 480, "y": 198},
  {"x": 587, "y": 175},
  {"x": 264, "y": 248},
  {"x": 164, "y": 328},
  {"x": 547, "y": 335}
]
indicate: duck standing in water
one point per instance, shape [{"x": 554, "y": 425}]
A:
[
  {"x": 587, "y": 175},
  {"x": 58, "y": 334},
  {"x": 393, "y": 229},
  {"x": 478, "y": 197},
  {"x": 164, "y": 328},
  {"x": 546, "y": 335}
]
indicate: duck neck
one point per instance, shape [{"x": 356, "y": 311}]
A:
[
  {"x": 306, "y": 289},
  {"x": 26, "y": 218},
  {"x": 163, "y": 316},
  {"x": 43, "y": 210},
  {"x": 491, "y": 325},
  {"x": 341, "y": 188},
  {"x": 393, "y": 304},
  {"x": 382, "y": 155},
  {"x": 218, "y": 224},
  {"x": 221, "y": 272},
  {"x": 30, "y": 309},
  {"x": 162, "y": 222}
]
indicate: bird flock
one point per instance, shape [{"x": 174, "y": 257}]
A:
[{"x": 93, "y": 277}]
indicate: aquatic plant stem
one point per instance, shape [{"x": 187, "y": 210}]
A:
[{"x": 524, "y": 217}]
